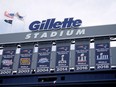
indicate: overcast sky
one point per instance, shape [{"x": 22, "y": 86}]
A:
[{"x": 91, "y": 12}]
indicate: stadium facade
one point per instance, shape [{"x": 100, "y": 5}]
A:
[{"x": 59, "y": 57}]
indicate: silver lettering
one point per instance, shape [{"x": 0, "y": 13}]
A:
[
  {"x": 35, "y": 35},
  {"x": 44, "y": 35},
  {"x": 28, "y": 36},
  {"x": 53, "y": 34},
  {"x": 69, "y": 32},
  {"x": 80, "y": 31},
  {"x": 61, "y": 33}
]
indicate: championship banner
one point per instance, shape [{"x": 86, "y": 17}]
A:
[
  {"x": 102, "y": 55},
  {"x": 82, "y": 57},
  {"x": 62, "y": 58},
  {"x": 7, "y": 61},
  {"x": 25, "y": 60},
  {"x": 43, "y": 61}
]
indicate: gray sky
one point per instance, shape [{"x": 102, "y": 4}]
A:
[{"x": 91, "y": 12}]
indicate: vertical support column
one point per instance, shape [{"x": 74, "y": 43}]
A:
[
  {"x": 1, "y": 52},
  {"x": 16, "y": 59},
  {"x": 72, "y": 56},
  {"x": 92, "y": 55},
  {"x": 34, "y": 59},
  {"x": 113, "y": 53},
  {"x": 53, "y": 57}
]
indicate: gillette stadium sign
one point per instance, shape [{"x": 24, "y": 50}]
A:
[{"x": 53, "y": 24}]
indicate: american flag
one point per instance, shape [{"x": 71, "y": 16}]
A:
[
  {"x": 9, "y": 15},
  {"x": 19, "y": 16}
]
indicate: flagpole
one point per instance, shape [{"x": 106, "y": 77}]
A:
[
  {"x": 21, "y": 18},
  {"x": 24, "y": 23},
  {"x": 12, "y": 25}
]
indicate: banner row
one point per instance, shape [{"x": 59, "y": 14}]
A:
[{"x": 61, "y": 57}]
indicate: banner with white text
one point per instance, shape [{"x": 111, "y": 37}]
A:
[
  {"x": 62, "y": 58},
  {"x": 25, "y": 59},
  {"x": 43, "y": 60},
  {"x": 102, "y": 55},
  {"x": 7, "y": 60},
  {"x": 82, "y": 57}
]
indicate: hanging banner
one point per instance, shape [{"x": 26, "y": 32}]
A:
[
  {"x": 7, "y": 61},
  {"x": 62, "y": 58},
  {"x": 25, "y": 60},
  {"x": 102, "y": 55},
  {"x": 43, "y": 61},
  {"x": 82, "y": 57}
]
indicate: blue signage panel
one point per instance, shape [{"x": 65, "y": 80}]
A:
[
  {"x": 25, "y": 60},
  {"x": 102, "y": 55},
  {"x": 62, "y": 58},
  {"x": 82, "y": 57},
  {"x": 7, "y": 61},
  {"x": 43, "y": 61}
]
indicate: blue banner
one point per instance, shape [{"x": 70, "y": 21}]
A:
[
  {"x": 62, "y": 58},
  {"x": 102, "y": 55},
  {"x": 82, "y": 57},
  {"x": 7, "y": 61},
  {"x": 43, "y": 61},
  {"x": 25, "y": 60}
]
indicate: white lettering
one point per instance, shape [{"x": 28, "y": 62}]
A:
[
  {"x": 80, "y": 31},
  {"x": 61, "y": 33},
  {"x": 53, "y": 34},
  {"x": 28, "y": 36},
  {"x": 35, "y": 35},
  {"x": 44, "y": 35},
  {"x": 69, "y": 32}
]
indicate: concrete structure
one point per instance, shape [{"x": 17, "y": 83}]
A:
[{"x": 59, "y": 57}]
